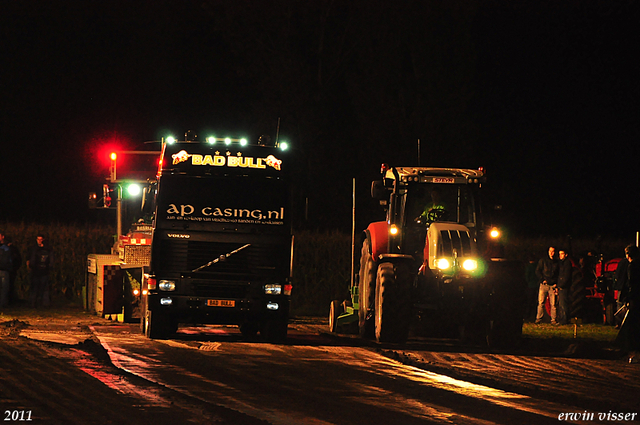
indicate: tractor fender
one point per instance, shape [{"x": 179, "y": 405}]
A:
[{"x": 378, "y": 234}]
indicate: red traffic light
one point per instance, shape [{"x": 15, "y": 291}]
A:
[{"x": 113, "y": 156}]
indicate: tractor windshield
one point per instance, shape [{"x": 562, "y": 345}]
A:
[{"x": 428, "y": 202}]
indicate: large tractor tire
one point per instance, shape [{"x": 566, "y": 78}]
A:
[
  {"x": 577, "y": 298},
  {"x": 504, "y": 329},
  {"x": 393, "y": 302},
  {"x": 334, "y": 312},
  {"x": 367, "y": 291}
]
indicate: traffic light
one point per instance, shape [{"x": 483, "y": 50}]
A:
[
  {"x": 106, "y": 195},
  {"x": 93, "y": 200},
  {"x": 112, "y": 169},
  {"x": 134, "y": 189}
]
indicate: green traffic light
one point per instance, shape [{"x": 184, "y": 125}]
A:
[{"x": 134, "y": 189}]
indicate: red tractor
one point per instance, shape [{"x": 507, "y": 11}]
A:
[{"x": 430, "y": 264}]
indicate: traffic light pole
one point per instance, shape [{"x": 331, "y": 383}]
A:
[{"x": 118, "y": 210}]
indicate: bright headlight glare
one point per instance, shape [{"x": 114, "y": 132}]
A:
[
  {"x": 443, "y": 263},
  {"x": 470, "y": 265},
  {"x": 167, "y": 285},
  {"x": 273, "y": 289},
  {"x": 166, "y": 301}
]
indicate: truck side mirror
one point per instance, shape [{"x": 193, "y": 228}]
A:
[{"x": 378, "y": 191}]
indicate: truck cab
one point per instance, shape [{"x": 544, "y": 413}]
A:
[{"x": 222, "y": 245}]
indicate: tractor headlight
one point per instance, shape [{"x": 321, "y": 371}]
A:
[
  {"x": 470, "y": 265},
  {"x": 167, "y": 285},
  {"x": 273, "y": 289},
  {"x": 443, "y": 264}
]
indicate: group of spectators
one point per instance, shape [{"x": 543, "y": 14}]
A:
[
  {"x": 551, "y": 278},
  {"x": 554, "y": 276},
  {"x": 39, "y": 261}
]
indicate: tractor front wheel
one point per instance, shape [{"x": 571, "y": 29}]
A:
[
  {"x": 367, "y": 291},
  {"x": 393, "y": 303}
]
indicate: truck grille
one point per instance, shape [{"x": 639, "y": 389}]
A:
[
  {"x": 209, "y": 289},
  {"x": 255, "y": 261}
]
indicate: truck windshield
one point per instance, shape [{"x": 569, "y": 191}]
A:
[
  {"x": 427, "y": 202},
  {"x": 209, "y": 202}
]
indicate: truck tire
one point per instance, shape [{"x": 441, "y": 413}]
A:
[
  {"x": 155, "y": 325},
  {"x": 393, "y": 303},
  {"x": 367, "y": 291},
  {"x": 249, "y": 329},
  {"x": 275, "y": 330}
]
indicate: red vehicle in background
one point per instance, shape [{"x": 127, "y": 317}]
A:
[{"x": 601, "y": 297}]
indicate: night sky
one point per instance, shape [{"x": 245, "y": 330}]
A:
[{"x": 543, "y": 94}]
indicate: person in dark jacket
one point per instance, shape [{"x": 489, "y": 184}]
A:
[
  {"x": 620, "y": 282},
  {"x": 629, "y": 335},
  {"x": 39, "y": 263},
  {"x": 547, "y": 272},
  {"x": 16, "y": 259},
  {"x": 565, "y": 272}
]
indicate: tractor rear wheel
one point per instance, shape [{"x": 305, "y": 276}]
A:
[
  {"x": 367, "y": 291},
  {"x": 393, "y": 303},
  {"x": 334, "y": 312}
]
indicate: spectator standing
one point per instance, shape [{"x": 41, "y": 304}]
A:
[
  {"x": 565, "y": 273},
  {"x": 5, "y": 269},
  {"x": 620, "y": 285},
  {"x": 547, "y": 272},
  {"x": 16, "y": 262},
  {"x": 533, "y": 286},
  {"x": 39, "y": 263},
  {"x": 629, "y": 335}
]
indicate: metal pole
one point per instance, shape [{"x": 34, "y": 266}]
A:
[
  {"x": 353, "y": 232},
  {"x": 119, "y": 210}
]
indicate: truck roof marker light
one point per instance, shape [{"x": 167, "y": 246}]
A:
[
  {"x": 243, "y": 142},
  {"x": 227, "y": 141},
  {"x": 211, "y": 140},
  {"x": 284, "y": 146}
]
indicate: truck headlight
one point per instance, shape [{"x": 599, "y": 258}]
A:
[
  {"x": 443, "y": 263},
  {"x": 273, "y": 289},
  {"x": 167, "y": 285},
  {"x": 470, "y": 265}
]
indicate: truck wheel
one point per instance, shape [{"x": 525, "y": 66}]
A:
[
  {"x": 156, "y": 326},
  {"x": 249, "y": 329},
  {"x": 367, "y": 291},
  {"x": 143, "y": 315},
  {"x": 275, "y": 330},
  {"x": 393, "y": 303},
  {"x": 334, "y": 311}
]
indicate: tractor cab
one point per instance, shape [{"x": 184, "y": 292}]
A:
[{"x": 433, "y": 215}]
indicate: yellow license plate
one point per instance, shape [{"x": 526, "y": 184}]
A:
[{"x": 221, "y": 303}]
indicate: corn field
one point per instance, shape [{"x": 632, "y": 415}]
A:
[
  {"x": 321, "y": 268},
  {"x": 71, "y": 244}
]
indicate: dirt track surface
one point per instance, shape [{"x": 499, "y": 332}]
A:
[
  {"x": 50, "y": 361},
  {"x": 55, "y": 382}
]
